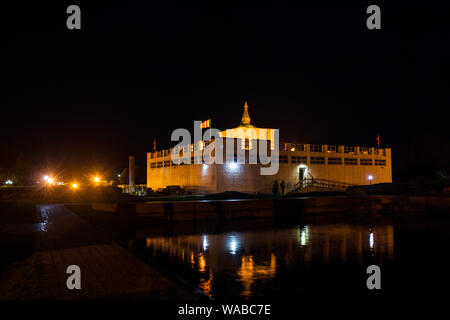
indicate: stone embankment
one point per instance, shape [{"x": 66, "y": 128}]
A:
[{"x": 279, "y": 208}]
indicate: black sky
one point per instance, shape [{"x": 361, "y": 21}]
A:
[{"x": 138, "y": 70}]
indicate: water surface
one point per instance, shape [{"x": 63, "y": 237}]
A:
[{"x": 303, "y": 260}]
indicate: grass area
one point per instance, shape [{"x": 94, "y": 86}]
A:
[
  {"x": 18, "y": 212},
  {"x": 16, "y": 245},
  {"x": 59, "y": 194},
  {"x": 89, "y": 194}
]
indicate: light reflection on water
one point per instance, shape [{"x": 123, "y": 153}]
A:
[{"x": 260, "y": 259}]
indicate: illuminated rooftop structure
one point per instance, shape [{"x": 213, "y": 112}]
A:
[{"x": 245, "y": 121}]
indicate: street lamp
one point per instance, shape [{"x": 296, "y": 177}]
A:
[{"x": 370, "y": 179}]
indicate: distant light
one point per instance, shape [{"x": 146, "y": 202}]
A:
[
  {"x": 370, "y": 177},
  {"x": 74, "y": 186},
  {"x": 60, "y": 183},
  {"x": 8, "y": 182},
  {"x": 371, "y": 240},
  {"x": 233, "y": 244},
  {"x": 49, "y": 179},
  {"x": 292, "y": 149},
  {"x": 205, "y": 242},
  {"x": 118, "y": 175},
  {"x": 96, "y": 179},
  {"x": 232, "y": 165},
  {"x": 302, "y": 166},
  {"x": 304, "y": 235}
]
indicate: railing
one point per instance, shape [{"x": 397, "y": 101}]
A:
[
  {"x": 381, "y": 152},
  {"x": 363, "y": 150},
  {"x": 315, "y": 148},
  {"x": 290, "y": 147},
  {"x": 294, "y": 147},
  {"x": 321, "y": 183},
  {"x": 350, "y": 150},
  {"x": 333, "y": 149}
]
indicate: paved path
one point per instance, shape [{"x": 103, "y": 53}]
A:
[{"x": 107, "y": 270}]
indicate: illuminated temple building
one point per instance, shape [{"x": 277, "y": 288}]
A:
[{"x": 301, "y": 166}]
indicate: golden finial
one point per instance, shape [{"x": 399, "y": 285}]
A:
[{"x": 245, "y": 121}]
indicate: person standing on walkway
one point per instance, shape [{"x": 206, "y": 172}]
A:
[
  {"x": 275, "y": 188},
  {"x": 282, "y": 187}
]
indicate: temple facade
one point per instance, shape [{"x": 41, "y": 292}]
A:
[{"x": 302, "y": 167}]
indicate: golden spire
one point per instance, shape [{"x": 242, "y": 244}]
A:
[{"x": 245, "y": 121}]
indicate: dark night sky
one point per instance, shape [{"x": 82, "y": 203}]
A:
[{"x": 138, "y": 70}]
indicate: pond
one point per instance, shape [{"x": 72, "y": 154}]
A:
[{"x": 263, "y": 260}]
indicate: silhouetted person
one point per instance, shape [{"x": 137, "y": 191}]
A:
[
  {"x": 282, "y": 187},
  {"x": 275, "y": 188}
]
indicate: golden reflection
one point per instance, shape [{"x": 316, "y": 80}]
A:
[
  {"x": 249, "y": 272},
  {"x": 338, "y": 242},
  {"x": 209, "y": 254},
  {"x": 206, "y": 285},
  {"x": 201, "y": 263}
]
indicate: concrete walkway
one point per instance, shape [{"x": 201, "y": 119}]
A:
[{"x": 107, "y": 270}]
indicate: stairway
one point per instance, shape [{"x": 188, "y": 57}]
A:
[{"x": 321, "y": 183}]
